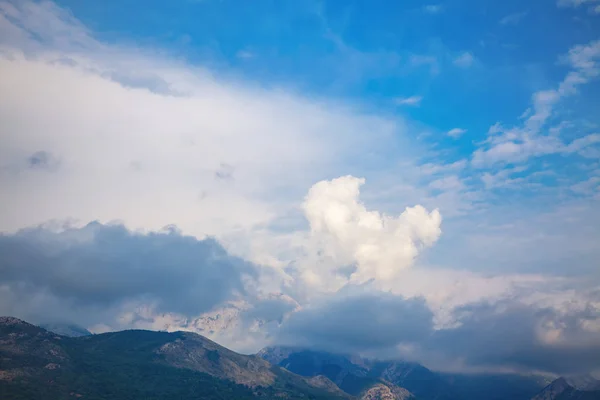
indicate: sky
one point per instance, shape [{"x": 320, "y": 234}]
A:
[{"x": 414, "y": 180}]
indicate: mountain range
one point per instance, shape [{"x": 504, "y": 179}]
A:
[
  {"x": 68, "y": 363},
  {"x": 353, "y": 374}
]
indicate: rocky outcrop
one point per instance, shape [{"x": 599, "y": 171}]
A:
[{"x": 381, "y": 391}]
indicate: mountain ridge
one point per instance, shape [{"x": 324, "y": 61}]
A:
[
  {"x": 351, "y": 371},
  {"x": 36, "y": 363},
  {"x": 138, "y": 364}
]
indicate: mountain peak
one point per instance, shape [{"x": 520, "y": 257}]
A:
[
  {"x": 554, "y": 390},
  {"x": 16, "y": 325}
]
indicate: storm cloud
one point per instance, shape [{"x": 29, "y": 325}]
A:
[
  {"x": 356, "y": 319},
  {"x": 522, "y": 338},
  {"x": 106, "y": 265},
  {"x": 507, "y": 335}
]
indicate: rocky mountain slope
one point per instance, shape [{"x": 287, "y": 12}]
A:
[{"x": 38, "y": 364}]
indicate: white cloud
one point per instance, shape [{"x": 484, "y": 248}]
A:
[
  {"x": 347, "y": 233},
  {"x": 502, "y": 178},
  {"x": 432, "y": 169},
  {"x": 433, "y": 8},
  {"x": 141, "y": 137},
  {"x": 456, "y": 132},
  {"x": 409, "y": 101},
  {"x": 448, "y": 183},
  {"x": 513, "y": 19},
  {"x": 578, "y": 3},
  {"x": 465, "y": 60},
  {"x": 589, "y": 186},
  {"x": 245, "y": 54},
  {"x": 580, "y": 144},
  {"x": 520, "y": 143}
]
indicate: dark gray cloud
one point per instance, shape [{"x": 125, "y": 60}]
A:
[
  {"x": 506, "y": 335},
  {"x": 272, "y": 309},
  {"x": 358, "y": 320},
  {"x": 524, "y": 338},
  {"x": 102, "y": 266}
]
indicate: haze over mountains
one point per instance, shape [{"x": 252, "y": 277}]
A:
[{"x": 39, "y": 364}]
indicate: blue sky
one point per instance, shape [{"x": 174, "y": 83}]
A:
[
  {"x": 444, "y": 153},
  {"x": 470, "y": 64}
]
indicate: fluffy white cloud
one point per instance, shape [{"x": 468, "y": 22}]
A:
[{"x": 378, "y": 245}]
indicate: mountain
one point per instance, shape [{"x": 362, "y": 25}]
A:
[
  {"x": 571, "y": 389},
  {"x": 69, "y": 330},
  {"x": 36, "y": 363},
  {"x": 425, "y": 384},
  {"x": 354, "y": 375},
  {"x": 135, "y": 364},
  {"x": 357, "y": 375}
]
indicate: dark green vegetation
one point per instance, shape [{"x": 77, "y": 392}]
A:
[{"x": 132, "y": 365}]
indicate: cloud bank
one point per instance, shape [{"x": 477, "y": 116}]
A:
[{"x": 106, "y": 266}]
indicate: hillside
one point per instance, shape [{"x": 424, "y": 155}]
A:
[{"x": 132, "y": 365}]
